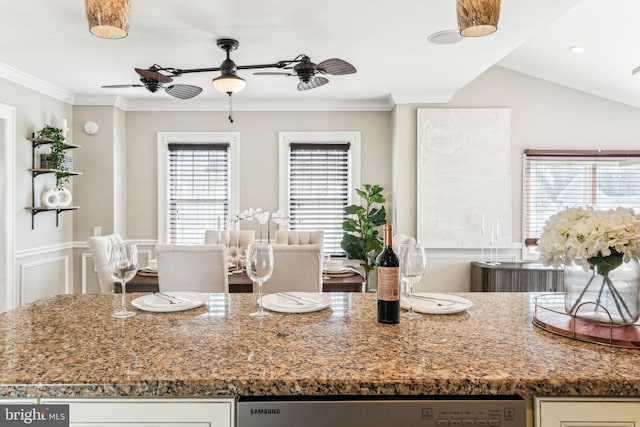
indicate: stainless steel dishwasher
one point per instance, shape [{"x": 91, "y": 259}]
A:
[{"x": 383, "y": 411}]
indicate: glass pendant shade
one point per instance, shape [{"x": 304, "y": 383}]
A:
[
  {"x": 108, "y": 19},
  {"x": 477, "y": 18},
  {"x": 229, "y": 83}
]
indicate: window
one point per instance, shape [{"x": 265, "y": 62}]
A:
[
  {"x": 322, "y": 169},
  {"x": 197, "y": 186},
  {"x": 554, "y": 180}
]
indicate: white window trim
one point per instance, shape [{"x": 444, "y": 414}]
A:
[
  {"x": 287, "y": 138},
  {"x": 166, "y": 138}
]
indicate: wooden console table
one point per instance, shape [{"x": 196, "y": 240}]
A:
[
  {"x": 515, "y": 277},
  {"x": 240, "y": 283}
]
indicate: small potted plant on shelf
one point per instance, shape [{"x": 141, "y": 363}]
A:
[
  {"x": 362, "y": 240},
  {"x": 58, "y": 158}
]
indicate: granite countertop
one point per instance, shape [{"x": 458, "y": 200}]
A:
[{"x": 68, "y": 345}]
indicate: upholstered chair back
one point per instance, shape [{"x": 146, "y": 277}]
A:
[
  {"x": 295, "y": 268},
  {"x": 197, "y": 268},
  {"x": 245, "y": 237},
  {"x": 100, "y": 247},
  {"x": 296, "y": 237},
  {"x": 402, "y": 239}
]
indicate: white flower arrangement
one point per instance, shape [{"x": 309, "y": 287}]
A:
[
  {"x": 581, "y": 234},
  {"x": 263, "y": 216},
  {"x": 280, "y": 217}
]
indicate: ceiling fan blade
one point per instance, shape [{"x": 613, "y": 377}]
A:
[
  {"x": 272, "y": 73},
  {"x": 120, "y": 86},
  {"x": 183, "y": 91},
  {"x": 313, "y": 83},
  {"x": 153, "y": 75},
  {"x": 336, "y": 67}
]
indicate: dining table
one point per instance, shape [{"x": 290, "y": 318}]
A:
[{"x": 239, "y": 282}]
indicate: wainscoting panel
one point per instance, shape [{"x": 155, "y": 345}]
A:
[{"x": 45, "y": 277}]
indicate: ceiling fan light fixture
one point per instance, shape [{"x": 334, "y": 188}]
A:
[
  {"x": 228, "y": 81},
  {"x": 108, "y": 19},
  {"x": 477, "y": 18}
]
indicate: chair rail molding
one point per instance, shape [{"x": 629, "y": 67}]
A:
[{"x": 42, "y": 250}]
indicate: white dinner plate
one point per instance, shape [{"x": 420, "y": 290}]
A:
[
  {"x": 281, "y": 303},
  {"x": 337, "y": 270},
  {"x": 335, "y": 266},
  {"x": 184, "y": 301},
  {"x": 431, "y": 303}
]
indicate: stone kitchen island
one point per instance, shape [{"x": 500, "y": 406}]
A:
[{"x": 69, "y": 346}]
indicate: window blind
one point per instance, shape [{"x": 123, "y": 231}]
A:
[
  {"x": 319, "y": 190},
  {"x": 555, "y": 180},
  {"x": 198, "y": 190}
]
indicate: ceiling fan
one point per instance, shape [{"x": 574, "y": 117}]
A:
[
  {"x": 153, "y": 80},
  {"x": 310, "y": 75}
]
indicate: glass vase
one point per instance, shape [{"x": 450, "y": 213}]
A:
[{"x": 608, "y": 291}]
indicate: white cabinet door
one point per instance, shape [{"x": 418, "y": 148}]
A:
[
  {"x": 158, "y": 412},
  {"x": 587, "y": 412}
]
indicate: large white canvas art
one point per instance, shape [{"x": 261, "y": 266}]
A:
[{"x": 464, "y": 178}]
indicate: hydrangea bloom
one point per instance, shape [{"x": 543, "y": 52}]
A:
[{"x": 578, "y": 234}]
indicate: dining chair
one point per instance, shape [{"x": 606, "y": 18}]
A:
[
  {"x": 197, "y": 268},
  {"x": 100, "y": 247},
  {"x": 299, "y": 237},
  {"x": 245, "y": 237},
  {"x": 295, "y": 268},
  {"x": 402, "y": 239}
]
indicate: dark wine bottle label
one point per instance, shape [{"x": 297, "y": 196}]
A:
[{"x": 388, "y": 284}]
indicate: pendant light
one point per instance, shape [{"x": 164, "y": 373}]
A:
[
  {"x": 108, "y": 19},
  {"x": 477, "y": 18}
]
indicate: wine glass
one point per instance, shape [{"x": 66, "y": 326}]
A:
[
  {"x": 123, "y": 265},
  {"x": 326, "y": 265},
  {"x": 259, "y": 264},
  {"x": 413, "y": 259}
]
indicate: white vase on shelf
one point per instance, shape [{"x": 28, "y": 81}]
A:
[
  {"x": 50, "y": 198},
  {"x": 64, "y": 196}
]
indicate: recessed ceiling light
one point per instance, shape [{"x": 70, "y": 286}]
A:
[
  {"x": 445, "y": 37},
  {"x": 577, "y": 49}
]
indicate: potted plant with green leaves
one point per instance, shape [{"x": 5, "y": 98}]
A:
[
  {"x": 57, "y": 155},
  {"x": 362, "y": 239}
]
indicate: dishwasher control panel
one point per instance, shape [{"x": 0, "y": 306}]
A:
[{"x": 405, "y": 411}]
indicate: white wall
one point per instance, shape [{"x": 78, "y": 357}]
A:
[
  {"x": 258, "y": 153},
  {"x": 543, "y": 115},
  {"x": 39, "y": 252}
]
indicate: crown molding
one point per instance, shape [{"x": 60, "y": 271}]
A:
[
  {"x": 109, "y": 100},
  {"x": 23, "y": 79}
]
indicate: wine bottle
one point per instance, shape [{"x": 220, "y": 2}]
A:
[{"x": 388, "y": 294}]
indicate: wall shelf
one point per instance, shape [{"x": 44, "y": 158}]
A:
[
  {"x": 35, "y": 172},
  {"x": 57, "y": 210}
]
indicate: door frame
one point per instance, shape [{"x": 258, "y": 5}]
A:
[{"x": 7, "y": 228}]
